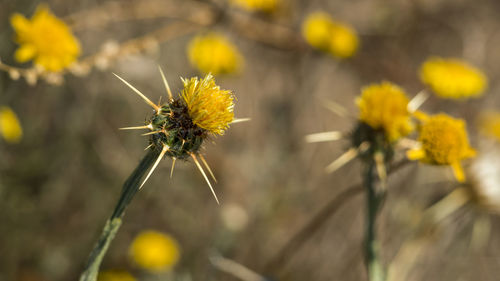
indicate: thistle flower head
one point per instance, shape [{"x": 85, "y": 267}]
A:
[
  {"x": 213, "y": 53},
  {"x": 179, "y": 127},
  {"x": 46, "y": 39},
  {"x": 443, "y": 141},
  {"x": 324, "y": 33},
  {"x": 384, "y": 107},
  {"x": 10, "y": 127},
  {"x": 115, "y": 275},
  {"x": 210, "y": 107},
  {"x": 453, "y": 78},
  {"x": 266, "y": 6},
  {"x": 154, "y": 251}
]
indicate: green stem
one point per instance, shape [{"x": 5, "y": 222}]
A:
[
  {"x": 130, "y": 188},
  {"x": 373, "y": 200}
]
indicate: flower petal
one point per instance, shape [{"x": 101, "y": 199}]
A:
[{"x": 25, "y": 53}]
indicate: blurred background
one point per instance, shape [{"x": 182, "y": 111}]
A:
[{"x": 59, "y": 183}]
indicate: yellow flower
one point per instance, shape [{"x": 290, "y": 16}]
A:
[
  {"x": 328, "y": 35},
  {"x": 453, "y": 78},
  {"x": 443, "y": 141},
  {"x": 213, "y": 53},
  {"x": 10, "y": 128},
  {"x": 115, "y": 275},
  {"x": 385, "y": 106},
  {"x": 154, "y": 251},
  {"x": 267, "y": 6},
  {"x": 489, "y": 125},
  {"x": 45, "y": 39},
  {"x": 209, "y": 107}
]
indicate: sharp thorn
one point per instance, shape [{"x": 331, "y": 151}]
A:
[
  {"x": 170, "y": 96},
  {"x": 205, "y": 176},
  {"x": 163, "y": 151},
  {"x": 138, "y": 127},
  {"x": 324, "y": 136},
  {"x": 342, "y": 160},
  {"x": 208, "y": 167},
  {"x": 173, "y": 165},
  {"x": 239, "y": 120},
  {"x": 148, "y": 101},
  {"x": 417, "y": 101}
]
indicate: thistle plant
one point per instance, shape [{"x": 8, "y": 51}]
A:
[
  {"x": 384, "y": 119},
  {"x": 177, "y": 129}
]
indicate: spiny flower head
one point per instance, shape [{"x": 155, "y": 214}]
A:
[
  {"x": 266, "y": 6},
  {"x": 443, "y": 141},
  {"x": 115, "y": 275},
  {"x": 10, "y": 127},
  {"x": 384, "y": 107},
  {"x": 328, "y": 35},
  {"x": 45, "y": 39},
  {"x": 179, "y": 127},
  {"x": 213, "y": 53},
  {"x": 453, "y": 78},
  {"x": 210, "y": 107},
  {"x": 489, "y": 125},
  {"x": 154, "y": 251}
]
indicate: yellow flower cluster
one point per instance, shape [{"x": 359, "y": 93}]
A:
[
  {"x": 45, "y": 39},
  {"x": 453, "y": 78},
  {"x": 328, "y": 35},
  {"x": 490, "y": 125},
  {"x": 115, "y": 275},
  {"x": 154, "y": 251},
  {"x": 267, "y": 6},
  {"x": 443, "y": 141},
  {"x": 385, "y": 106},
  {"x": 213, "y": 53},
  {"x": 10, "y": 128},
  {"x": 209, "y": 107}
]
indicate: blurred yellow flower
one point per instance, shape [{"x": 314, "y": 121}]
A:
[
  {"x": 209, "y": 107},
  {"x": 489, "y": 124},
  {"x": 10, "y": 128},
  {"x": 45, "y": 39},
  {"x": 453, "y": 78},
  {"x": 267, "y": 6},
  {"x": 213, "y": 53},
  {"x": 328, "y": 35},
  {"x": 115, "y": 275},
  {"x": 154, "y": 251},
  {"x": 443, "y": 141},
  {"x": 385, "y": 106}
]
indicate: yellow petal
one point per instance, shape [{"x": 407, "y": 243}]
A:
[
  {"x": 20, "y": 23},
  {"x": 458, "y": 171},
  {"x": 10, "y": 128},
  {"x": 415, "y": 154},
  {"x": 25, "y": 53}
]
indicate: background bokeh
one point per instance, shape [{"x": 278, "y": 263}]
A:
[{"x": 60, "y": 183}]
